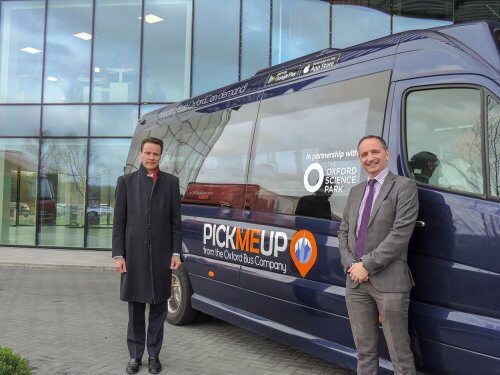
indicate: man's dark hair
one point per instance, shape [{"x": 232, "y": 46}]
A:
[
  {"x": 371, "y": 136},
  {"x": 154, "y": 140}
]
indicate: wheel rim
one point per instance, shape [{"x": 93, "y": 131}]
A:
[{"x": 175, "y": 299}]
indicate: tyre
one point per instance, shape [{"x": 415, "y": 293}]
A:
[{"x": 180, "y": 310}]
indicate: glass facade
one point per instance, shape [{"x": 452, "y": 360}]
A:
[
  {"x": 117, "y": 34},
  {"x": 255, "y": 34},
  {"x": 65, "y": 120},
  {"x": 76, "y": 74},
  {"x": 21, "y": 48},
  {"x": 166, "y": 50},
  {"x": 215, "y": 44},
  {"x": 21, "y": 121},
  {"x": 407, "y": 15},
  {"x": 113, "y": 120},
  {"x": 105, "y": 166},
  {"x": 373, "y": 22},
  {"x": 67, "y": 51},
  {"x": 299, "y": 27},
  {"x": 18, "y": 197},
  {"x": 63, "y": 167}
]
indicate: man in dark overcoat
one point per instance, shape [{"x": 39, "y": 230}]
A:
[{"x": 146, "y": 247}]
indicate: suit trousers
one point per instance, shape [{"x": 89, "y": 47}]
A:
[
  {"x": 365, "y": 304},
  {"x": 136, "y": 332}
]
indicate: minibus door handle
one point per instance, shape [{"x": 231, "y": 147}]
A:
[{"x": 419, "y": 224}]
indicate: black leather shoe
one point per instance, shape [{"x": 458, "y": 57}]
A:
[
  {"x": 154, "y": 365},
  {"x": 133, "y": 366}
]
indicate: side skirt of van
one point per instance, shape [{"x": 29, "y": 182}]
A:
[{"x": 316, "y": 346}]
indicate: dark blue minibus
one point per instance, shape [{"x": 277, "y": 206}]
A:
[{"x": 265, "y": 167}]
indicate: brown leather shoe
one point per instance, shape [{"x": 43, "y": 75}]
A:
[
  {"x": 133, "y": 365},
  {"x": 154, "y": 365}
]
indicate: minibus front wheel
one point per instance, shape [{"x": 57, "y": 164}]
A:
[{"x": 180, "y": 310}]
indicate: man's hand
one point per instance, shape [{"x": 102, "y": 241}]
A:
[
  {"x": 175, "y": 263},
  {"x": 358, "y": 273},
  {"x": 120, "y": 265}
]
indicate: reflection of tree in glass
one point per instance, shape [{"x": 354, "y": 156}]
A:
[
  {"x": 469, "y": 157},
  {"x": 460, "y": 158},
  {"x": 66, "y": 158},
  {"x": 30, "y": 151},
  {"x": 493, "y": 141}
]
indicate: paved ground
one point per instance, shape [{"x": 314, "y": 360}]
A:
[{"x": 66, "y": 318}]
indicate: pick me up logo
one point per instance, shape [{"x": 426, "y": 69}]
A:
[
  {"x": 303, "y": 251},
  {"x": 260, "y": 248}
]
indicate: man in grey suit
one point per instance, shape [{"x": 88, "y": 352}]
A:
[{"x": 376, "y": 227}]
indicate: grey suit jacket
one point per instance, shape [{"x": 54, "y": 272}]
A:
[{"x": 389, "y": 230}]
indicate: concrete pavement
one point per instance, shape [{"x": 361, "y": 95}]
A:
[
  {"x": 56, "y": 258},
  {"x": 60, "y": 309}
]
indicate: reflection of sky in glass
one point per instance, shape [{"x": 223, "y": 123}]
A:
[
  {"x": 433, "y": 115},
  {"x": 65, "y": 120},
  {"x": 228, "y": 158},
  {"x": 21, "y": 72},
  {"x": 113, "y": 120},
  {"x": 107, "y": 159},
  {"x": 370, "y": 24},
  {"x": 167, "y": 51},
  {"x": 20, "y": 120},
  {"x": 255, "y": 36},
  {"x": 299, "y": 27},
  {"x": 150, "y": 108},
  {"x": 67, "y": 60},
  {"x": 407, "y": 23},
  {"x": 216, "y": 44}
]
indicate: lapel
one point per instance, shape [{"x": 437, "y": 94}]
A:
[{"x": 384, "y": 190}]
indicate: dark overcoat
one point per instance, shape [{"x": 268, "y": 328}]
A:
[{"x": 146, "y": 232}]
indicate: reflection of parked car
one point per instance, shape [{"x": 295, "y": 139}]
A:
[
  {"x": 94, "y": 212},
  {"x": 102, "y": 209},
  {"x": 46, "y": 203},
  {"x": 23, "y": 209}
]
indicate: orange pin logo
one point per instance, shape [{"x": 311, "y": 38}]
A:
[{"x": 303, "y": 251}]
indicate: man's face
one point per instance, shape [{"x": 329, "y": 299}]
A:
[
  {"x": 150, "y": 156},
  {"x": 373, "y": 156}
]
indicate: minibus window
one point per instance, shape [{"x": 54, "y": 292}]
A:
[
  {"x": 444, "y": 138},
  {"x": 208, "y": 151},
  {"x": 493, "y": 145},
  {"x": 304, "y": 160}
]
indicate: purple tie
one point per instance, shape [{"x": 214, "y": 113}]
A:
[{"x": 365, "y": 218}]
